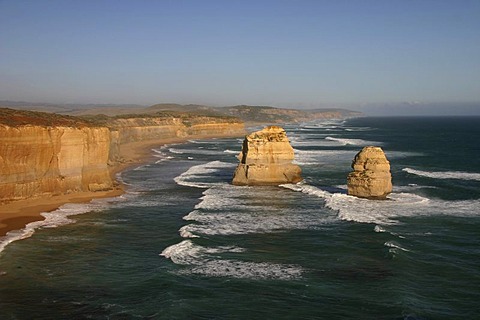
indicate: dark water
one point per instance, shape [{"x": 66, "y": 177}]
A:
[{"x": 185, "y": 244}]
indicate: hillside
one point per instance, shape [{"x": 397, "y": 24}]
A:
[
  {"x": 247, "y": 113},
  {"x": 15, "y": 118}
]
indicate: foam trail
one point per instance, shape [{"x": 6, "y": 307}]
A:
[
  {"x": 195, "y": 175},
  {"x": 382, "y": 213},
  {"x": 393, "y": 244},
  {"x": 353, "y": 142},
  {"x": 206, "y": 261},
  {"x": 459, "y": 175},
  {"x": 231, "y": 151},
  {"x": 55, "y": 219}
]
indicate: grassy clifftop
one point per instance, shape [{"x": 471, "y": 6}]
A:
[
  {"x": 103, "y": 115},
  {"x": 14, "y": 118}
]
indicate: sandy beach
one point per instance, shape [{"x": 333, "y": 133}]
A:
[{"x": 17, "y": 214}]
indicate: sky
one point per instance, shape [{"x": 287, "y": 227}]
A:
[{"x": 376, "y": 55}]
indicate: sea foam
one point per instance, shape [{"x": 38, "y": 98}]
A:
[
  {"x": 387, "y": 212},
  {"x": 353, "y": 142},
  {"x": 444, "y": 174},
  {"x": 224, "y": 210},
  {"x": 207, "y": 261},
  {"x": 195, "y": 176},
  {"x": 56, "y": 218}
]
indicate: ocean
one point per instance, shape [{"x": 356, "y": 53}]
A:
[{"x": 183, "y": 243}]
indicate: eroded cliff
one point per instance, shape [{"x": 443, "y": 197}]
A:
[
  {"x": 60, "y": 155},
  {"x": 38, "y": 160}
]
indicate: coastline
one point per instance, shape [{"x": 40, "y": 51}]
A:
[{"x": 16, "y": 215}]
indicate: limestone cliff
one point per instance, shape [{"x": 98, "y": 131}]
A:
[
  {"x": 46, "y": 154},
  {"x": 142, "y": 129},
  {"x": 371, "y": 177},
  {"x": 38, "y": 160},
  {"x": 266, "y": 159}
]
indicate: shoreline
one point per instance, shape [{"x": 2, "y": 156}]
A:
[{"x": 16, "y": 215}]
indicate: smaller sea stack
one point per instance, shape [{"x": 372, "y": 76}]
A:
[
  {"x": 371, "y": 176},
  {"x": 266, "y": 159}
]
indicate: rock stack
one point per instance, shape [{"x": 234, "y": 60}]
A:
[
  {"x": 371, "y": 177},
  {"x": 266, "y": 159}
]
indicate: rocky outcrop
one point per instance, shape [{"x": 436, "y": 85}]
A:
[
  {"x": 266, "y": 159},
  {"x": 371, "y": 177}
]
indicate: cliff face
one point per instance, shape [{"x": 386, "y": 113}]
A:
[
  {"x": 371, "y": 176},
  {"x": 266, "y": 159},
  {"x": 142, "y": 129},
  {"x": 60, "y": 158},
  {"x": 37, "y": 160}
]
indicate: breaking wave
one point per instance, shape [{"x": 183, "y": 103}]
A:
[
  {"x": 444, "y": 174},
  {"x": 207, "y": 261},
  {"x": 195, "y": 176},
  {"x": 387, "y": 212},
  {"x": 353, "y": 142},
  {"x": 56, "y": 218}
]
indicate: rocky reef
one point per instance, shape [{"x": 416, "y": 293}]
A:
[
  {"x": 266, "y": 159},
  {"x": 371, "y": 176}
]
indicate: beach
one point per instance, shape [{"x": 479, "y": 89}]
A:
[{"x": 16, "y": 215}]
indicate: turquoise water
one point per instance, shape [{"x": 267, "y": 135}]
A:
[{"x": 183, "y": 243}]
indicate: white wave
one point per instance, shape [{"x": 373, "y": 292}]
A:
[
  {"x": 159, "y": 153},
  {"x": 176, "y": 151},
  {"x": 313, "y": 143},
  {"x": 338, "y": 157},
  {"x": 388, "y": 212},
  {"x": 395, "y": 245},
  {"x": 459, "y": 175},
  {"x": 197, "y": 151},
  {"x": 141, "y": 168},
  {"x": 164, "y": 159},
  {"x": 195, "y": 176},
  {"x": 224, "y": 210},
  {"x": 353, "y": 142},
  {"x": 325, "y": 157},
  {"x": 56, "y": 218},
  {"x": 206, "y": 261},
  {"x": 358, "y": 129},
  {"x": 231, "y": 151},
  {"x": 186, "y": 233}
]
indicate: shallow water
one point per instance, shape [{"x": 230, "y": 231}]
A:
[{"x": 184, "y": 243}]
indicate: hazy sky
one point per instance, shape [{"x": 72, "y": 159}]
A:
[{"x": 284, "y": 53}]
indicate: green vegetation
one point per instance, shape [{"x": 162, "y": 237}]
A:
[
  {"x": 189, "y": 114},
  {"x": 11, "y": 117},
  {"x": 15, "y": 118}
]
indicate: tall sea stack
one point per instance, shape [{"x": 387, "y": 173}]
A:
[
  {"x": 371, "y": 176},
  {"x": 266, "y": 159}
]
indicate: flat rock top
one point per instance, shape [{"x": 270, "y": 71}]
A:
[
  {"x": 370, "y": 152},
  {"x": 271, "y": 133}
]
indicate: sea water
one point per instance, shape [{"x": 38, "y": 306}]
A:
[{"x": 183, "y": 243}]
